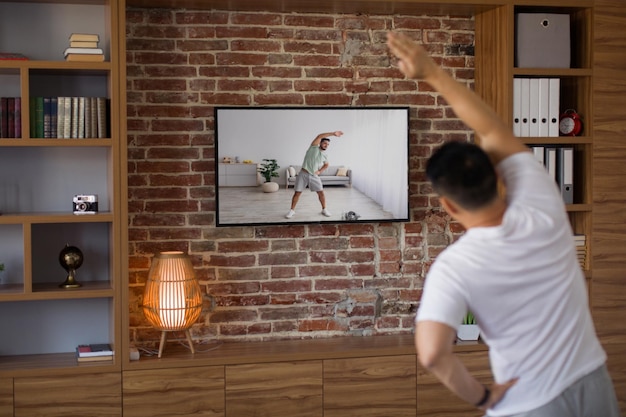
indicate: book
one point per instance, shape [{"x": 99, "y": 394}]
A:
[
  {"x": 12, "y": 56},
  {"x": 84, "y": 58},
  {"x": 4, "y": 115},
  {"x": 17, "y": 116},
  {"x": 81, "y": 117},
  {"x": 54, "y": 118},
  {"x": 93, "y": 133},
  {"x": 37, "y": 116},
  {"x": 47, "y": 118},
  {"x": 94, "y": 358},
  {"x": 89, "y": 51},
  {"x": 74, "y": 119},
  {"x": 83, "y": 44},
  {"x": 67, "y": 118},
  {"x": 10, "y": 117},
  {"x": 95, "y": 349},
  {"x": 101, "y": 105},
  {"x": 84, "y": 37}
]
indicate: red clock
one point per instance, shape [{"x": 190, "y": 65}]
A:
[{"x": 570, "y": 123}]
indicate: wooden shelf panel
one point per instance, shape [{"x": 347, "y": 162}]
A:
[
  {"x": 72, "y": 66},
  {"x": 65, "y": 217},
  {"x": 553, "y": 72},
  {"x": 560, "y": 140},
  {"x": 175, "y": 355},
  {"x": 51, "y": 364},
  {"x": 105, "y": 143},
  {"x": 51, "y": 291}
]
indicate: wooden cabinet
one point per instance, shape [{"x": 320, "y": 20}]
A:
[
  {"x": 238, "y": 175},
  {"x": 496, "y": 71},
  {"x": 197, "y": 391},
  {"x": 42, "y": 323},
  {"x": 271, "y": 389},
  {"x": 95, "y": 395},
  {"x": 435, "y": 399},
  {"x": 372, "y": 386}
]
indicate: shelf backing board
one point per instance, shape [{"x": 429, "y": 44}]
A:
[
  {"x": 45, "y": 179},
  {"x": 49, "y": 36},
  {"x": 53, "y": 326}
]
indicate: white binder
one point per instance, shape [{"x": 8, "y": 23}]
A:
[
  {"x": 550, "y": 162},
  {"x": 544, "y": 104},
  {"x": 553, "y": 107},
  {"x": 517, "y": 105},
  {"x": 565, "y": 173},
  {"x": 539, "y": 151},
  {"x": 525, "y": 107},
  {"x": 533, "y": 129}
]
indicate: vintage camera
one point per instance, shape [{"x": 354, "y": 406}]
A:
[{"x": 85, "y": 204}]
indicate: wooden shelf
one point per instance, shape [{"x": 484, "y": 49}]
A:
[
  {"x": 64, "y": 217},
  {"x": 51, "y": 364},
  {"x": 56, "y": 142},
  {"x": 176, "y": 355}
]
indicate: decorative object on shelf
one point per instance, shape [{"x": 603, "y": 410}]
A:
[
  {"x": 84, "y": 47},
  {"x": 227, "y": 160},
  {"x": 172, "y": 300},
  {"x": 12, "y": 56},
  {"x": 269, "y": 170},
  {"x": 570, "y": 123},
  {"x": 542, "y": 40},
  {"x": 468, "y": 330},
  {"x": 71, "y": 258}
]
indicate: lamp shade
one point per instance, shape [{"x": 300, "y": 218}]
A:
[{"x": 172, "y": 299}]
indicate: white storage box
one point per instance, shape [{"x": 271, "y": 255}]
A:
[{"x": 542, "y": 40}]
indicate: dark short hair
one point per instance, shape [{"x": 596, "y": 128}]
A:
[
  {"x": 464, "y": 173},
  {"x": 324, "y": 140}
]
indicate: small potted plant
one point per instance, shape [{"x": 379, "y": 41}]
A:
[
  {"x": 468, "y": 330},
  {"x": 269, "y": 170},
  {"x": 1, "y": 272}
]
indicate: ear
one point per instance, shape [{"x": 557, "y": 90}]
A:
[{"x": 449, "y": 206}]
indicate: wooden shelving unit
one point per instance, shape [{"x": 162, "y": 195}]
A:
[{"x": 42, "y": 322}]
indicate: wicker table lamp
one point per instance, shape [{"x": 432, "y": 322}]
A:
[{"x": 172, "y": 300}]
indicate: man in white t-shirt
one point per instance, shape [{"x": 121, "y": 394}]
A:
[{"x": 515, "y": 268}]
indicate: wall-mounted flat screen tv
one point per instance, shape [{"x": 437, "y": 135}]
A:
[{"x": 366, "y": 179}]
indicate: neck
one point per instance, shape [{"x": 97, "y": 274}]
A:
[{"x": 489, "y": 216}]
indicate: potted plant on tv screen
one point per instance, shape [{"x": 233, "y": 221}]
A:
[
  {"x": 468, "y": 330},
  {"x": 269, "y": 170}
]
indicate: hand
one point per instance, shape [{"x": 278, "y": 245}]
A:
[
  {"x": 497, "y": 393},
  {"x": 337, "y": 133},
  {"x": 414, "y": 61}
]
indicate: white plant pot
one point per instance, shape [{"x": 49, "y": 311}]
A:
[
  {"x": 270, "y": 187},
  {"x": 468, "y": 332}
]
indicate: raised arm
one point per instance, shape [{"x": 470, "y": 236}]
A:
[
  {"x": 321, "y": 136},
  {"x": 495, "y": 137}
]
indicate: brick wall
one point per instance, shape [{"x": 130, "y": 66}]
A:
[{"x": 294, "y": 281}]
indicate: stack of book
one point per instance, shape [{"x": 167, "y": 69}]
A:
[
  {"x": 581, "y": 250},
  {"x": 10, "y": 117},
  {"x": 69, "y": 117},
  {"x": 84, "y": 47},
  {"x": 94, "y": 352}
]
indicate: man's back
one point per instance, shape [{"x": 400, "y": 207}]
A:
[{"x": 524, "y": 284}]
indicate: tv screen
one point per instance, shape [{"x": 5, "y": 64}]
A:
[{"x": 366, "y": 179}]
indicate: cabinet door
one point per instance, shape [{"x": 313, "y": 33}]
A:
[
  {"x": 434, "y": 399},
  {"x": 197, "y": 391},
  {"x": 93, "y": 395},
  {"x": 6, "y": 396},
  {"x": 365, "y": 387},
  {"x": 291, "y": 389}
]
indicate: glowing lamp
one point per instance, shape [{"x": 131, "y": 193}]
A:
[{"x": 172, "y": 300}]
